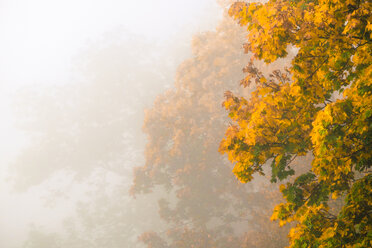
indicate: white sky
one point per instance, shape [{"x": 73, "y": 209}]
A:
[
  {"x": 40, "y": 36},
  {"x": 39, "y": 41}
]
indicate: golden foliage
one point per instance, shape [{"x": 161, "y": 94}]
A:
[{"x": 297, "y": 112}]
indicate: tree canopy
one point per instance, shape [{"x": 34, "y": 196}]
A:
[
  {"x": 320, "y": 104},
  {"x": 206, "y": 207}
]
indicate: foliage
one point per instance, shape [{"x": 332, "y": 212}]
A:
[
  {"x": 320, "y": 105},
  {"x": 206, "y": 206}
]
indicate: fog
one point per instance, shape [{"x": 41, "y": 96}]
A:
[
  {"x": 111, "y": 122},
  {"x": 75, "y": 79}
]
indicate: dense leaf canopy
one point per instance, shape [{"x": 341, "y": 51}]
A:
[{"x": 321, "y": 105}]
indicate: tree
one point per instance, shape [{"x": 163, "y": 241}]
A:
[
  {"x": 321, "y": 105},
  {"x": 206, "y": 207}
]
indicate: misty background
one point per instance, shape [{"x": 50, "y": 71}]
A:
[{"x": 75, "y": 78}]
